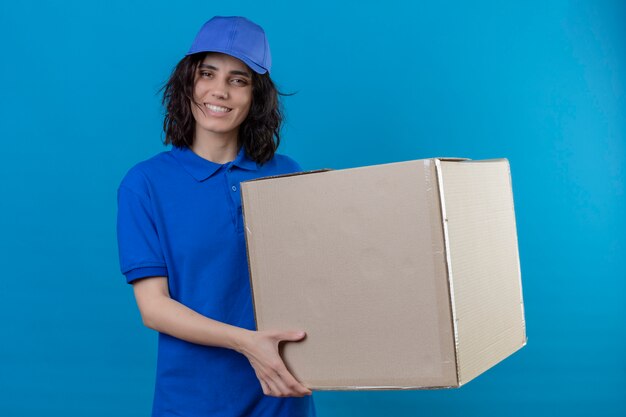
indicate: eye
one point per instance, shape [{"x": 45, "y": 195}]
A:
[
  {"x": 240, "y": 81},
  {"x": 205, "y": 73}
]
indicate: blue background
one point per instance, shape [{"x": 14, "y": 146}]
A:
[{"x": 540, "y": 83}]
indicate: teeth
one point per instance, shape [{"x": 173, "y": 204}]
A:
[{"x": 217, "y": 108}]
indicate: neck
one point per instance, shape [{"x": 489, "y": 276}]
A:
[{"x": 216, "y": 148}]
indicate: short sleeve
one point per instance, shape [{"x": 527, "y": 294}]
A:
[
  {"x": 140, "y": 253},
  {"x": 297, "y": 166},
  {"x": 292, "y": 164}
]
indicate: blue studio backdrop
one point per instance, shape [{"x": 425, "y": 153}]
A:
[{"x": 539, "y": 83}]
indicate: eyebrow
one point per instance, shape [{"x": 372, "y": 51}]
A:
[{"x": 235, "y": 72}]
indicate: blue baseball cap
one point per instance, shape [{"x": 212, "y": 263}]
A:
[{"x": 235, "y": 36}]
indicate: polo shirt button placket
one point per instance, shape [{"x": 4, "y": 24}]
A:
[{"x": 230, "y": 168}]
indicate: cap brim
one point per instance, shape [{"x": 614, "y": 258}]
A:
[{"x": 256, "y": 68}]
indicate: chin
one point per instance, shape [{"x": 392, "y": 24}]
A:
[{"x": 213, "y": 129}]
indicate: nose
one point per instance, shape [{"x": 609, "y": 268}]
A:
[{"x": 220, "y": 93}]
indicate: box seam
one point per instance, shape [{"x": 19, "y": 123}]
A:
[{"x": 446, "y": 246}]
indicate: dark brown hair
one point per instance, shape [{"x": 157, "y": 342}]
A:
[{"x": 256, "y": 132}]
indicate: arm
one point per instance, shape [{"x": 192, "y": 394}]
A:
[{"x": 166, "y": 315}]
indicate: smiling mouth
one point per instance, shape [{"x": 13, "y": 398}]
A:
[{"x": 218, "y": 109}]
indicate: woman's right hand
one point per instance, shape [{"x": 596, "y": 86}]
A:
[{"x": 261, "y": 349}]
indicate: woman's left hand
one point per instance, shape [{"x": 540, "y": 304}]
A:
[{"x": 261, "y": 349}]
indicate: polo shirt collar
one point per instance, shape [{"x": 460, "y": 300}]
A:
[{"x": 201, "y": 168}]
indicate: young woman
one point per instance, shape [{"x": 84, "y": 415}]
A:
[{"x": 181, "y": 238}]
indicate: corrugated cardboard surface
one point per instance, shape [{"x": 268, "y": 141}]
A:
[
  {"x": 390, "y": 293},
  {"x": 351, "y": 257},
  {"x": 484, "y": 261}
]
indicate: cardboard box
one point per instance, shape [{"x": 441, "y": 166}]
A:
[{"x": 404, "y": 275}]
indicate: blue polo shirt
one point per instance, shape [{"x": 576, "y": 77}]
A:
[{"x": 179, "y": 215}]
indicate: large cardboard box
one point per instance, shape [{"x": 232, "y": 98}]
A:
[{"x": 404, "y": 275}]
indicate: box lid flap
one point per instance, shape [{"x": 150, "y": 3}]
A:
[
  {"x": 451, "y": 158},
  {"x": 290, "y": 174}
]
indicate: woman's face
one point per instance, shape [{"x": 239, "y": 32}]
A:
[{"x": 226, "y": 82}]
